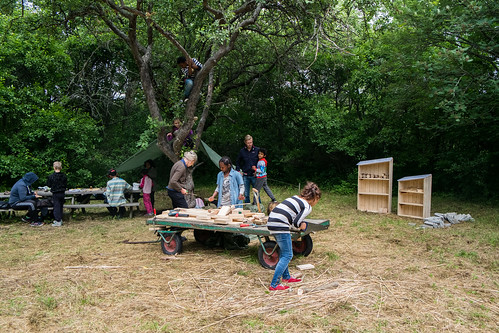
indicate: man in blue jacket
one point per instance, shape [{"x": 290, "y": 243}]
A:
[{"x": 22, "y": 197}]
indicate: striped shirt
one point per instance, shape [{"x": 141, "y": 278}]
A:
[
  {"x": 290, "y": 212},
  {"x": 185, "y": 70},
  {"x": 115, "y": 191}
]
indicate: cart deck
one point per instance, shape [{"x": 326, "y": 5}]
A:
[{"x": 169, "y": 229}]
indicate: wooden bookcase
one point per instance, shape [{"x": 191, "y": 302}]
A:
[
  {"x": 375, "y": 185},
  {"x": 414, "y": 196}
]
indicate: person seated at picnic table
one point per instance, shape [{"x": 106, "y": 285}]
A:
[
  {"x": 22, "y": 197},
  {"x": 115, "y": 194}
]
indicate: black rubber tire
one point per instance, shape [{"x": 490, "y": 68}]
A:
[
  {"x": 303, "y": 246},
  {"x": 202, "y": 236},
  {"x": 269, "y": 262},
  {"x": 175, "y": 245}
]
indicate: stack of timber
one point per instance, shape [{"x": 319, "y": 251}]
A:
[{"x": 223, "y": 215}]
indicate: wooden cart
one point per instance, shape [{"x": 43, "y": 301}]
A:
[{"x": 169, "y": 231}]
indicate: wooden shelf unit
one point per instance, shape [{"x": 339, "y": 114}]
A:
[
  {"x": 375, "y": 185},
  {"x": 414, "y": 196}
]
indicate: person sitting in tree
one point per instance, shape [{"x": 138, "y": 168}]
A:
[{"x": 189, "y": 70}]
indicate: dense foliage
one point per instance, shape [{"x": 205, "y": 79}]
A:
[{"x": 320, "y": 84}]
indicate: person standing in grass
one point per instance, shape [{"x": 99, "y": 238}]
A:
[
  {"x": 58, "y": 183},
  {"x": 245, "y": 163},
  {"x": 153, "y": 174},
  {"x": 290, "y": 212},
  {"x": 146, "y": 185},
  {"x": 230, "y": 186},
  {"x": 178, "y": 179},
  {"x": 261, "y": 174}
]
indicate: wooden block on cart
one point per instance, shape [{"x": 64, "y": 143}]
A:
[
  {"x": 160, "y": 227},
  {"x": 260, "y": 221},
  {"x": 237, "y": 217},
  {"x": 220, "y": 220},
  {"x": 225, "y": 210}
]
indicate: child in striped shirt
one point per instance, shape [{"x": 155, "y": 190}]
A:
[{"x": 290, "y": 212}]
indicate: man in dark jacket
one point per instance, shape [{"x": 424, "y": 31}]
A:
[
  {"x": 246, "y": 160},
  {"x": 22, "y": 197}
]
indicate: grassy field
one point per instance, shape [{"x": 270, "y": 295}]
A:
[{"x": 392, "y": 277}]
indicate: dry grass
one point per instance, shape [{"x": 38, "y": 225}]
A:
[{"x": 392, "y": 278}]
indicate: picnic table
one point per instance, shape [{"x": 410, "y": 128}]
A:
[
  {"x": 80, "y": 198},
  {"x": 169, "y": 230}
]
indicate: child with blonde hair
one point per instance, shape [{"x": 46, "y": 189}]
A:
[{"x": 57, "y": 182}]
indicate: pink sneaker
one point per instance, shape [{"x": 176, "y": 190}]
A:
[
  {"x": 291, "y": 279},
  {"x": 278, "y": 287}
]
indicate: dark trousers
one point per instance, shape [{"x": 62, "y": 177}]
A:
[
  {"x": 117, "y": 211},
  {"x": 178, "y": 199},
  {"x": 30, "y": 205},
  {"x": 152, "y": 199},
  {"x": 262, "y": 183},
  {"x": 58, "y": 202}
]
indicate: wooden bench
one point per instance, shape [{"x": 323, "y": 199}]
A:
[
  {"x": 12, "y": 212},
  {"x": 129, "y": 205}
]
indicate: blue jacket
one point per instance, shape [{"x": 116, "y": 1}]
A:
[
  {"x": 21, "y": 191},
  {"x": 235, "y": 180}
]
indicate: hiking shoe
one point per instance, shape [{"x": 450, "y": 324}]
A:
[
  {"x": 26, "y": 219},
  {"x": 36, "y": 224},
  {"x": 291, "y": 279},
  {"x": 57, "y": 224},
  {"x": 278, "y": 287}
]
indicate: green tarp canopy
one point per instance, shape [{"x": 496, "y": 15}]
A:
[{"x": 152, "y": 152}]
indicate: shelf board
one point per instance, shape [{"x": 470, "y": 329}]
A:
[
  {"x": 413, "y": 216},
  {"x": 411, "y": 204},
  {"x": 374, "y": 178},
  {"x": 371, "y": 193},
  {"x": 410, "y": 191}
]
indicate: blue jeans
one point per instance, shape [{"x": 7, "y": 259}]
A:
[
  {"x": 248, "y": 180},
  {"x": 285, "y": 256},
  {"x": 188, "y": 83}
]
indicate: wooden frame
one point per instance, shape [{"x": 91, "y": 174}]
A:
[
  {"x": 414, "y": 196},
  {"x": 374, "y": 192}
]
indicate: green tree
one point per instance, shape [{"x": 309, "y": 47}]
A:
[{"x": 35, "y": 129}]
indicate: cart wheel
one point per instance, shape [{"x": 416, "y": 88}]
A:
[
  {"x": 304, "y": 246},
  {"x": 268, "y": 261},
  {"x": 202, "y": 236},
  {"x": 174, "y": 246}
]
